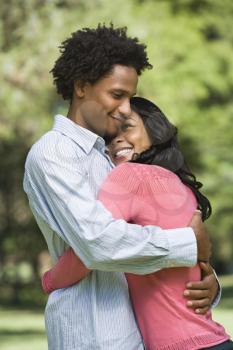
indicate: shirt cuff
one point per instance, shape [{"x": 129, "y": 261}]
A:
[
  {"x": 219, "y": 294},
  {"x": 182, "y": 247}
]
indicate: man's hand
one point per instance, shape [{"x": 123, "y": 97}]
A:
[
  {"x": 201, "y": 294},
  {"x": 203, "y": 241}
]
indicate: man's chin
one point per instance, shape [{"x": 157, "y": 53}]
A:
[{"x": 110, "y": 135}]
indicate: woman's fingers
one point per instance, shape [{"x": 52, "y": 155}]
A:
[
  {"x": 196, "y": 294},
  {"x": 199, "y": 300},
  {"x": 207, "y": 283},
  {"x": 196, "y": 304},
  {"x": 199, "y": 293},
  {"x": 202, "y": 311}
]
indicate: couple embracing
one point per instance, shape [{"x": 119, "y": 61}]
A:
[{"x": 121, "y": 212}]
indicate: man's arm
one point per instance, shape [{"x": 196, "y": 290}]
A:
[
  {"x": 69, "y": 270},
  {"x": 61, "y": 196},
  {"x": 203, "y": 241}
]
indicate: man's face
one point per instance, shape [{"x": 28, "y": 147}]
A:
[{"x": 106, "y": 104}]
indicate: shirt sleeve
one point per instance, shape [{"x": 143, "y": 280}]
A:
[
  {"x": 60, "y": 195},
  {"x": 219, "y": 293}
]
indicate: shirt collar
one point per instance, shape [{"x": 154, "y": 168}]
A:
[{"x": 85, "y": 138}]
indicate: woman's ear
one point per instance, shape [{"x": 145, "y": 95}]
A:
[{"x": 79, "y": 88}]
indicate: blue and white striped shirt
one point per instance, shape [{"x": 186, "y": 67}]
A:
[{"x": 63, "y": 173}]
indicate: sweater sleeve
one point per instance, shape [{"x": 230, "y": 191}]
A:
[
  {"x": 68, "y": 270},
  {"x": 119, "y": 192},
  {"x": 125, "y": 194}
]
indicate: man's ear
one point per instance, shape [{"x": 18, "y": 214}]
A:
[{"x": 79, "y": 88}]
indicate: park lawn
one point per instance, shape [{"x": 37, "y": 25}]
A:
[
  {"x": 24, "y": 329},
  {"x": 225, "y": 317},
  {"x": 224, "y": 311}
]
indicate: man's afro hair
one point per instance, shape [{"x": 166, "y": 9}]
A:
[{"x": 89, "y": 54}]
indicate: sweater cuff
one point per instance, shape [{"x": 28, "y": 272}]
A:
[{"x": 46, "y": 282}]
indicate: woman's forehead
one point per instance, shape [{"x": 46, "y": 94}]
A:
[{"x": 133, "y": 116}]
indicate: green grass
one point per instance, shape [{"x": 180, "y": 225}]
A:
[
  {"x": 24, "y": 329},
  {"x": 224, "y": 311},
  {"x": 224, "y": 317}
]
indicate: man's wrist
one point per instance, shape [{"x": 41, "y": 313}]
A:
[{"x": 182, "y": 246}]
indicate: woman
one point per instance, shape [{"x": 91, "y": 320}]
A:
[{"x": 152, "y": 186}]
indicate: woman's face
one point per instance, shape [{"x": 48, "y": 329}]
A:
[{"x": 132, "y": 138}]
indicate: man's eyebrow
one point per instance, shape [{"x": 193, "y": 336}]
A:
[{"x": 124, "y": 91}]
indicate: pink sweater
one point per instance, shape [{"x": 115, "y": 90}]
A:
[{"x": 151, "y": 195}]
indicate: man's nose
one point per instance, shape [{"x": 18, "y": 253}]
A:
[
  {"x": 118, "y": 139},
  {"x": 125, "y": 108}
]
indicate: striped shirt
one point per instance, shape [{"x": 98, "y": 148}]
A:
[{"x": 63, "y": 173}]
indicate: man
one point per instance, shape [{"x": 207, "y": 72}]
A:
[{"x": 98, "y": 72}]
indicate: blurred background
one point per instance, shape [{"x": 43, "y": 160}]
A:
[{"x": 190, "y": 44}]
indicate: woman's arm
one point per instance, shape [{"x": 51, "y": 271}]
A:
[{"x": 68, "y": 270}]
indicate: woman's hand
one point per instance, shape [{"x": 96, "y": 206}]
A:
[{"x": 201, "y": 294}]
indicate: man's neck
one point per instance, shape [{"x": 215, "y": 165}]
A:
[{"x": 73, "y": 114}]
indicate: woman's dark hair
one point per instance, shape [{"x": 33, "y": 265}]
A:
[
  {"x": 165, "y": 150},
  {"x": 90, "y": 54}
]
